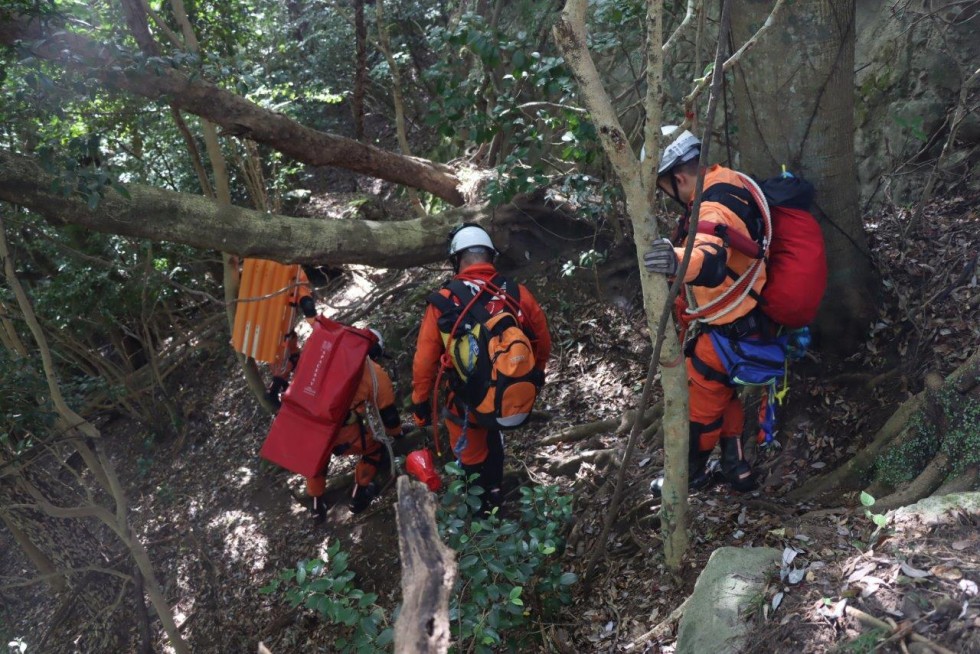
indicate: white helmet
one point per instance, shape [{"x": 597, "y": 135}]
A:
[
  {"x": 468, "y": 236},
  {"x": 681, "y": 150}
]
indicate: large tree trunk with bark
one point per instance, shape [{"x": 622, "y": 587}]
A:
[
  {"x": 794, "y": 96},
  {"x": 201, "y": 222}
]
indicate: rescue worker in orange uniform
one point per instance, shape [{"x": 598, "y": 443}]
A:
[
  {"x": 287, "y": 356},
  {"x": 357, "y": 439},
  {"x": 715, "y": 410},
  {"x": 479, "y": 451}
]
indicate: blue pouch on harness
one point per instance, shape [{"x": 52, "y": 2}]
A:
[{"x": 751, "y": 362}]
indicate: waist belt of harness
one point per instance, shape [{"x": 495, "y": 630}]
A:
[
  {"x": 751, "y": 324},
  {"x": 458, "y": 419},
  {"x": 708, "y": 372}
]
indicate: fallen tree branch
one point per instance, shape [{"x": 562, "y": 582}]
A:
[
  {"x": 875, "y": 623},
  {"x": 428, "y": 573},
  {"x": 662, "y": 627},
  {"x": 155, "y": 79},
  {"x": 195, "y": 220}
]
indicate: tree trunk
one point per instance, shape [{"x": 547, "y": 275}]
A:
[
  {"x": 428, "y": 573},
  {"x": 45, "y": 566},
  {"x": 639, "y": 187},
  {"x": 794, "y": 96},
  {"x": 201, "y": 222}
]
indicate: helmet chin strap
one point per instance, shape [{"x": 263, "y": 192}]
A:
[{"x": 676, "y": 194}]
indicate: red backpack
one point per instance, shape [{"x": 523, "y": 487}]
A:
[
  {"x": 784, "y": 236},
  {"x": 317, "y": 402}
]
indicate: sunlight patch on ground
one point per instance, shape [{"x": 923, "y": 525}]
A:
[
  {"x": 245, "y": 475},
  {"x": 243, "y": 541},
  {"x": 354, "y": 293}
]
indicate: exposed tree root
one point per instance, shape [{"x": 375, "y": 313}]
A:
[
  {"x": 619, "y": 427},
  {"x": 580, "y": 432},
  {"x": 853, "y": 473},
  {"x": 661, "y": 629},
  {"x": 922, "y": 486},
  {"x": 965, "y": 481},
  {"x": 569, "y": 467}
]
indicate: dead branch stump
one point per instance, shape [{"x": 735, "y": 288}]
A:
[{"x": 428, "y": 573}]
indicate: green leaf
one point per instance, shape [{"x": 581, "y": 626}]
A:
[
  {"x": 347, "y": 616},
  {"x": 300, "y": 573},
  {"x": 568, "y": 579},
  {"x": 867, "y": 499},
  {"x": 879, "y": 519},
  {"x": 386, "y": 637}
]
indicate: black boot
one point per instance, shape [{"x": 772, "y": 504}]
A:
[
  {"x": 734, "y": 468},
  {"x": 362, "y": 497},
  {"x": 318, "y": 510},
  {"x": 702, "y": 474}
]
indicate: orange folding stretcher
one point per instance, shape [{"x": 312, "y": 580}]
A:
[{"x": 267, "y": 300}]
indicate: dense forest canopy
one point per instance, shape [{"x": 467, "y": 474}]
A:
[{"x": 147, "y": 148}]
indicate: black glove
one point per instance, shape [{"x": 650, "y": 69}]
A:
[
  {"x": 422, "y": 414},
  {"x": 661, "y": 258},
  {"x": 537, "y": 377},
  {"x": 276, "y": 388},
  {"x": 307, "y": 306}
]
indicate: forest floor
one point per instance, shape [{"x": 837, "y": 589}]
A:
[{"x": 220, "y": 524}]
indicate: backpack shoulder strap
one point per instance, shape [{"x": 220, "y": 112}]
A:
[
  {"x": 509, "y": 286},
  {"x": 740, "y": 202},
  {"x": 440, "y": 302}
]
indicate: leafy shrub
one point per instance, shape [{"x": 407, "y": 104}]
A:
[
  {"x": 508, "y": 569},
  {"x": 328, "y": 588},
  {"x": 26, "y": 414}
]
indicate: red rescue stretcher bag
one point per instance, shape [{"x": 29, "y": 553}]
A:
[{"x": 315, "y": 405}]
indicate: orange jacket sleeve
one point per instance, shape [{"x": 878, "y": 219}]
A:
[
  {"x": 428, "y": 352},
  {"x": 535, "y": 319},
  {"x": 704, "y": 243}
]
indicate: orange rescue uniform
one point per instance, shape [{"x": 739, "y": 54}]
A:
[
  {"x": 430, "y": 347},
  {"x": 355, "y": 437},
  {"x": 715, "y": 409}
]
